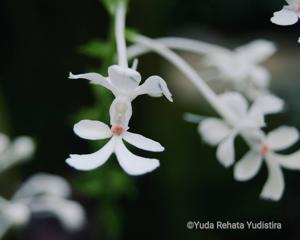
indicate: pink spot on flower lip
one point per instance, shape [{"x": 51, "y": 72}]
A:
[
  {"x": 264, "y": 149},
  {"x": 298, "y": 8},
  {"x": 117, "y": 130}
]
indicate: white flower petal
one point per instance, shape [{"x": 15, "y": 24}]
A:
[
  {"x": 4, "y": 142},
  {"x": 87, "y": 162},
  {"x": 142, "y": 142},
  {"x": 4, "y": 225},
  {"x": 154, "y": 86},
  {"x": 43, "y": 183},
  {"x": 282, "y": 138},
  {"x": 94, "y": 78},
  {"x": 124, "y": 79},
  {"x": 255, "y": 118},
  {"x": 132, "y": 164},
  {"x": 20, "y": 150},
  {"x": 284, "y": 17},
  {"x": 236, "y": 102},
  {"x": 23, "y": 147},
  {"x": 213, "y": 130},
  {"x": 274, "y": 186},
  {"x": 6, "y": 217},
  {"x": 290, "y": 161},
  {"x": 225, "y": 151},
  {"x": 92, "y": 130},
  {"x": 260, "y": 77},
  {"x": 69, "y": 213},
  {"x": 269, "y": 104},
  {"x": 256, "y": 51},
  {"x": 18, "y": 214},
  {"x": 248, "y": 166}
]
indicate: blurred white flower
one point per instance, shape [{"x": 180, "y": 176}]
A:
[
  {"x": 132, "y": 164},
  {"x": 264, "y": 147},
  {"x": 41, "y": 195},
  {"x": 217, "y": 132},
  {"x": 288, "y": 15},
  {"x": 241, "y": 68},
  {"x": 14, "y": 152},
  {"x": 124, "y": 84}
]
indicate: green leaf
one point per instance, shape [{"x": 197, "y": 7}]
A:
[
  {"x": 98, "y": 49},
  {"x": 130, "y": 33},
  {"x": 106, "y": 182}
]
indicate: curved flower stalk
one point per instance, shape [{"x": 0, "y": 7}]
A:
[
  {"x": 132, "y": 164},
  {"x": 14, "y": 152},
  {"x": 264, "y": 148},
  {"x": 239, "y": 67},
  {"x": 41, "y": 195},
  {"x": 218, "y": 132},
  {"x": 124, "y": 83},
  {"x": 288, "y": 15}
]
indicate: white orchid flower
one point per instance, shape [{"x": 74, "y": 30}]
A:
[
  {"x": 217, "y": 132},
  {"x": 124, "y": 84},
  {"x": 265, "y": 147},
  {"x": 41, "y": 195},
  {"x": 132, "y": 164},
  {"x": 14, "y": 152},
  {"x": 288, "y": 15},
  {"x": 241, "y": 68}
]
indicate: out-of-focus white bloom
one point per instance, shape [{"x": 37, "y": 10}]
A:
[
  {"x": 14, "y": 152},
  {"x": 219, "y": 133},
  {"x": 288, "y": 15},
  {"x": 241, "y": 68},
  {"x": 41, "y": 195},
  {"x": 264, "y": 147},
  {"x": 132, "y": 164},
  {"x": 124, "y": 84}
]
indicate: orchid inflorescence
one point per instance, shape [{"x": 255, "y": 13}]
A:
[
  {"x": 41, "y": 195},
  {"x": 288, "y": 15},
  {"x": 249, "y": 82}
]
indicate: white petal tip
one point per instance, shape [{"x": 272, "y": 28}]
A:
[
  {"x": 169, "y": 97},
  {"x": 155, "y": 165},
  {"x": 74, "y": 161},
  {"x": 240, "y": 177},
  {"x": 274, "y": 20},
  {"x": 227, "y": 164},
  {"x": 268, "y": 197},
  {"x": 285, "y": 17},
  {"x": 72, "y": 76},
  {"x": 159, "y": 148}
]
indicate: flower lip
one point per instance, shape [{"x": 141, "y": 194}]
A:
[
  {"x": 264, "y": 149},
  {"x": 117, "y": 130}
]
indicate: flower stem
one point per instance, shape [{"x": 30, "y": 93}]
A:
[
  {"x": 120, "y": 35},
  {"x": 190, "y": 73},
  {"x": 189, "y": 45}
]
